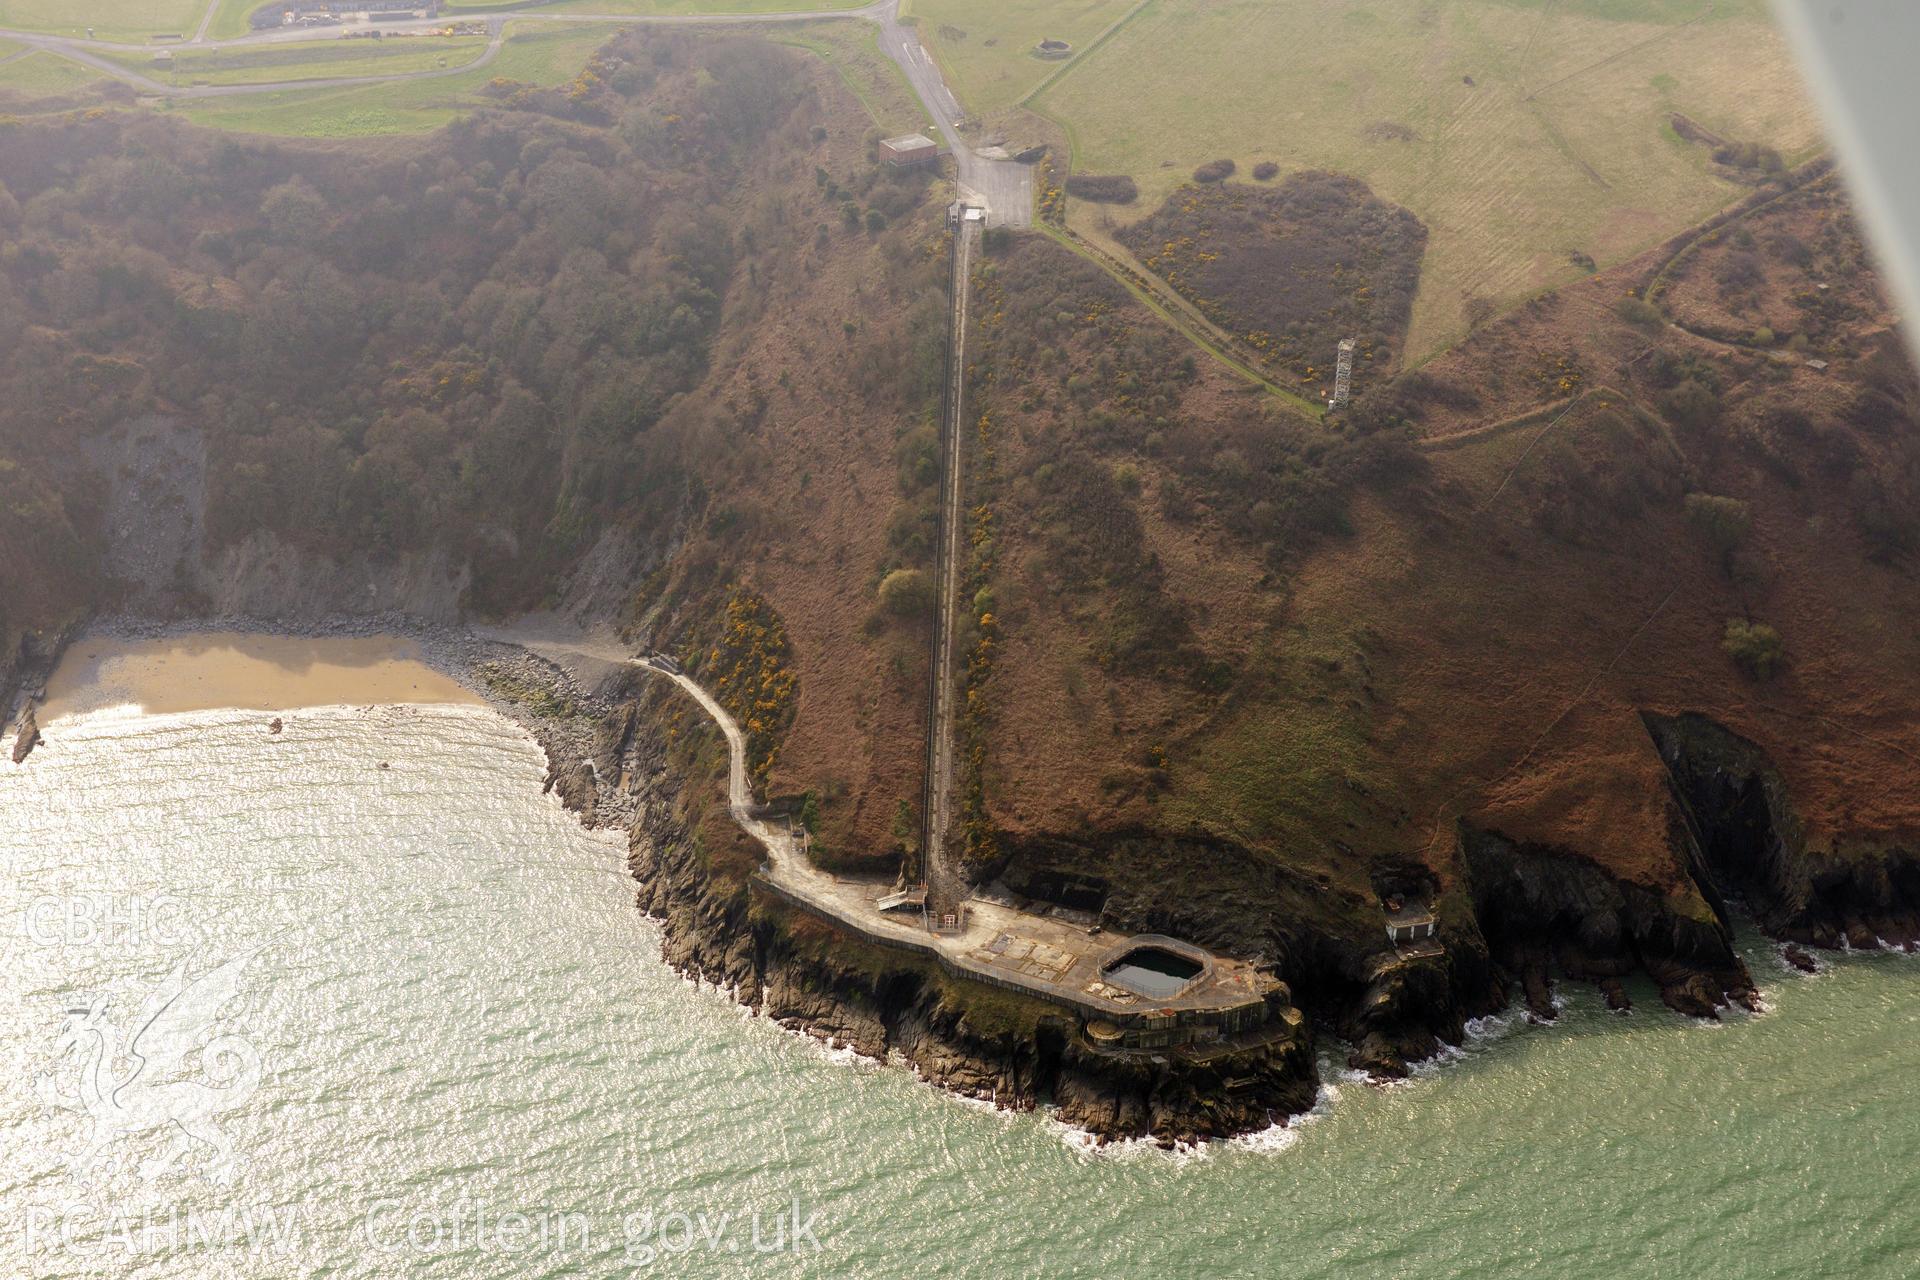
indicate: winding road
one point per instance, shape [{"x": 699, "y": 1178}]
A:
[{"x": 1003, "y": 187}]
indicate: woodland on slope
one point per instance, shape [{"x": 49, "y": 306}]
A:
[{"x": 599, "y": 324}]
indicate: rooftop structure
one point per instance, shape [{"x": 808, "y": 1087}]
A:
[
  {"x": 909, "y": 148},
  {"x": 913, "y": 898},
  {"x": 1411, "y": 926},
  {"x": 284, "y": 12}
]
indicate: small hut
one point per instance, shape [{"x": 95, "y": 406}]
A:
[{"x": 908, "y": 149}]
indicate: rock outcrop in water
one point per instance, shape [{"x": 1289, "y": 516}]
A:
[
  {"x": 24, "y": 668},
  {"x": 1544, "y": 910},
  {"x": 27, "y": 737}
]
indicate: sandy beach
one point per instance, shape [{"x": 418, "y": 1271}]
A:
[{"x": 247, "y": 671}]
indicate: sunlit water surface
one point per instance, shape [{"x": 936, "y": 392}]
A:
[{"x": 459, "y": 1017}]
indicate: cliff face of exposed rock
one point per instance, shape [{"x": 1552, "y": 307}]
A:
[
  {"x": 1520, "y": 915},
  {"x": 25, "y": 664},
  {"x": 1857, "y": 888},
  {"x": 26, "y": 737},
  {"x": 1544, "y": 909},
  {"x": 262, "y": 576},
  {"x": 1410, "y": 1007}
]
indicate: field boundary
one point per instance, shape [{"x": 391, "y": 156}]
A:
[
  {"x": 1808, "y": 175},
  {"x": 1614, "y": 57},
  {"x": 1113, "y": 29},
  {"x": 482, "y": 8},
  {"x": 1025, "y": 100},
  {"x": 309, "y": 59},
  {"x": 1526, "y": 453},
  {"x": 1180, "y": 323},
  {"x": 1505, "y": 426}
]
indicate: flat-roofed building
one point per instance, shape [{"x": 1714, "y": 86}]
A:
[{"x": 909, "y": 148}]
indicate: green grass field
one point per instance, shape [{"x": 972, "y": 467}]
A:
[
  {"x": 43, "y": 74},
  {"x": 308, "y": 60},
  {"x": 644, "y": 7},
  {"x": 1508, "y": 187},
  {"x": 132, "y": 20},
  {"x": 986, "y": 49},
  {"x": 230, "y": 19},
  {"x": 533, "y": 53}
]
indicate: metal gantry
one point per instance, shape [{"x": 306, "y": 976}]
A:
[{"x": 1343, "y": 375}]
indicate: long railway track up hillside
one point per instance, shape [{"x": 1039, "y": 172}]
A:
[{"x": 946, "y": 887}]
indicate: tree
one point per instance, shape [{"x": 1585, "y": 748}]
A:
[
  {"x": 294, "y": 211},
  {"x": 1691, "y": 403},
  {"x": 1722, "y": 522},
  {"x": 1741, "y": 269},
  {"x": 1754, "y": 645},
  {"x": 906, "y": 593},
  {"x": 573, "y": 199},
  {"x": 1641, "y": 314}
]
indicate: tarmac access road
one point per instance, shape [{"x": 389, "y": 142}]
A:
[{"x": 1003, "y": 187}]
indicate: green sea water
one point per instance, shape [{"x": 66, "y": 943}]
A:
[{"x": 449, "y": 1048}]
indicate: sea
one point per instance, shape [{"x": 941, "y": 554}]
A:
[{"x": 356, "y": 999}]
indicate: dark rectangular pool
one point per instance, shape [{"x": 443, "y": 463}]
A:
[{"x": 1152, "y": 971}]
